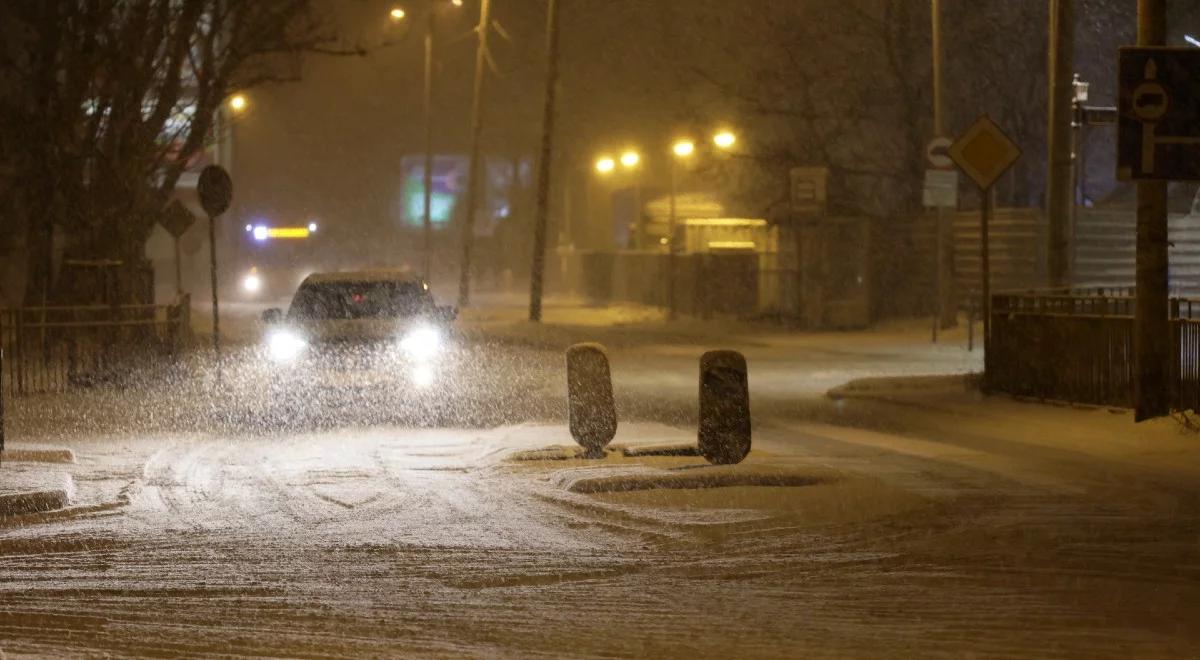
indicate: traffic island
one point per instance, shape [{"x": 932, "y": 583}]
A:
[
  {"x": 560, "y": 453},
  {"x": 668, "y": 449},
  {"x": 693, "y": 478}
]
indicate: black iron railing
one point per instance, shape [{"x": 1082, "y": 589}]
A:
[
  {"x": 1078, "y": 347},
  {"x": 50, "y": 349}
]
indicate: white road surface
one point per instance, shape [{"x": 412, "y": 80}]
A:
[{"x": 934, "y": 525}]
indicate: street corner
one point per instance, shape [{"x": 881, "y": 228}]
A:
[{"x": 25, "y": 492}]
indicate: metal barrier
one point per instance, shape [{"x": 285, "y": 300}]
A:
[
  {"x": 1079, "y": 348},
  {"x": 51, "y": 349}
]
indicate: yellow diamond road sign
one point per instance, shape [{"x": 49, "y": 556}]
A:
[{"x": 984, "y": 152}]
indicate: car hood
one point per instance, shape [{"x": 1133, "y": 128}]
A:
[{"x": 357, "y": 330}]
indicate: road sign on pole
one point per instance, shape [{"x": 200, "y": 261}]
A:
[
  {"x": 940, "y": 193},
  {"x": 1158, "y": 137},
  {"x": 216, "y": 191},
  {"x": 985, "y": 153},
  {"x": 941, "y": 189},
  {"x": 937, "y": 153},
  {"x": 177, "y": 220}
]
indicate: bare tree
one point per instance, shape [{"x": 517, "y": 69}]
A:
[{"x": 111, "y": 101}]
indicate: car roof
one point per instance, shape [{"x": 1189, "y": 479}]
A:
[{"x": 358, "y": 276}]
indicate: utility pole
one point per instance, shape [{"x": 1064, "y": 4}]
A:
[
  {"x": 473, "y": 175},
  {"x": 1152, "y": 327},
  {"x": 1059, "y": 196},
  {"x": 947, "y": 314},
  {"x": 543, "y": 194},
  {"x": 672, "y": 220},
  {"x": 427, "y": 220}
]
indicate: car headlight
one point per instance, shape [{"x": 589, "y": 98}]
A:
[
  {"x": 252, "y": 283},
  {"x": 284, "y": 345},
  {"x": 422, "y": 343}
]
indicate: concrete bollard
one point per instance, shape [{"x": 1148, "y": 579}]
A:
[
  {"x": 724, "y": 436},
  {"x": 592, "y": 410}
]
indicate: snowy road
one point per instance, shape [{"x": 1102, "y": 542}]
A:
[{"x": 937, "y": 526}]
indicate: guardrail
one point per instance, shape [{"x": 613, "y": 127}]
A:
[
  {"x": 1078, "y": 347},
  {"x": 51, "y": 349}
]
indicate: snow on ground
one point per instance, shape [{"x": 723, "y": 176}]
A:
[{"x": 914, "y": 521}]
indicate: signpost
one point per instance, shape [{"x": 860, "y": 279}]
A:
[
  {"x": 177, "y": 220},
  {"x": 941, "y": 192},
  {"x": 809, "y": 198},
  {"x": 984, "y": 153},
  {"x": 1158, "y": 140},
  {"x": 1158, "y": 135},
  {"x": 216, "y": 191}
]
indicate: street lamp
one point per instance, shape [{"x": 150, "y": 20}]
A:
[
  {"x": 238, "y": 102},
  {"x": 724, "y": 139},
  {"x": 397, "y": 14},
  {"x": 630, "y": 159},
  {"x": 605, "y": 165}
]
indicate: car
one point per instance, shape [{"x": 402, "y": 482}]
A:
[{"x": 346, "y": 331}]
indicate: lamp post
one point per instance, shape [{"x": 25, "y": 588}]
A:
[
  {"x": 397, "y": 15},
  {"x": 1079, "y": 97},
  {"x": 682, "y": 149},
  {"x": 630, "y": 160}
]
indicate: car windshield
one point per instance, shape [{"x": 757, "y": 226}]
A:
[{"x": 359, "y": 300}]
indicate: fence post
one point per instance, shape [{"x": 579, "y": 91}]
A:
[
  {"x": 971, "y": 324},
  {"x": 18, "y": 338},
  {"x": 1, "y": 398},
  {"x": 1174, "y": 364}
]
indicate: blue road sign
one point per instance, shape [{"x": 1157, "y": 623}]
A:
[{"x": 1158, "y": 131}]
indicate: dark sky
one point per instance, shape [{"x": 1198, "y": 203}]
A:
[{"x": 329, "y": 146}]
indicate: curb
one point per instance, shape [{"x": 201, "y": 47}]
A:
[
  {"x": 38, "y": 501},
  {"x": 35, "y": 494},
  {"x": 887, "y": 388},
  {"x": 35, "y": 454}
]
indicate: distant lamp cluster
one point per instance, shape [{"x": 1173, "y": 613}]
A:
[{"x": 723, "y": 140}]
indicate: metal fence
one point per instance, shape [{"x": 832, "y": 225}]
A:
[
  {"x": 1078, "y": 347},
  {"x": 51, "y": 349}
]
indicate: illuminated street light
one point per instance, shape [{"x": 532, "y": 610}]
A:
[
  {"x": 238, "y": 102},
  {"x": 312, "y": 227},
  {"x": 456, "y": 3},
  {"x": 630, "y": 159},
  {"x": 397, "y": 14},
  {"x": 605, "y": 165},
  {"x": 724, "y": 139},
  {"x": 684, "y": 148}
]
